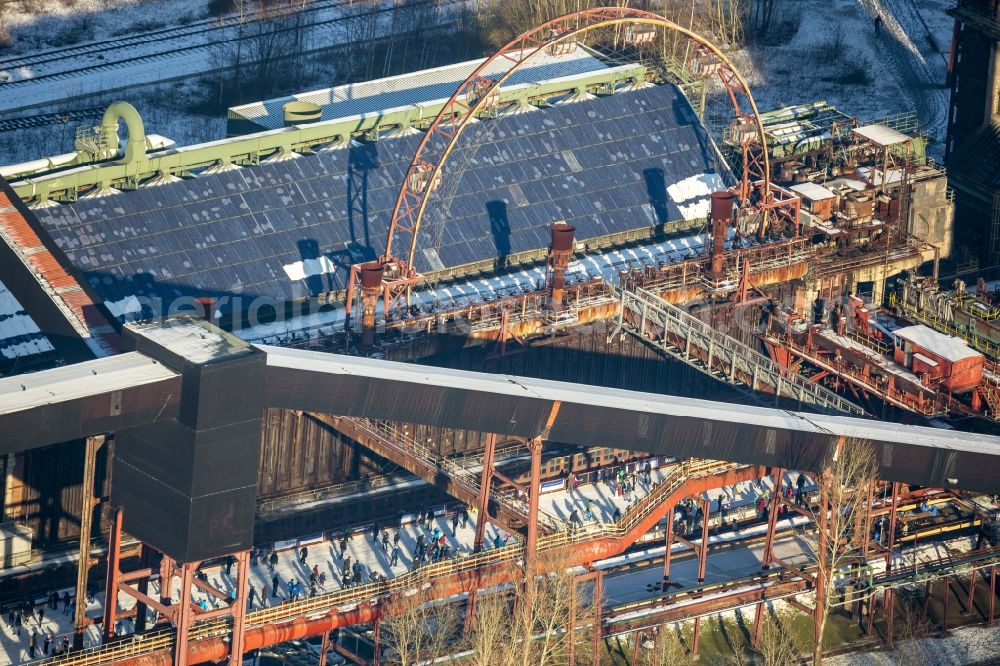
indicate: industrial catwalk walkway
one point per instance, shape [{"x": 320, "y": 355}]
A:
[{"x": 600, "y": 498}]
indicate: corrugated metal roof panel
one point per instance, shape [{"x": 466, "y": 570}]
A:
[{"x": 292, "y": 229}]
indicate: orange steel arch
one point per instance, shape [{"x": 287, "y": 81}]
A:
[{"x": 475, "y": 93}]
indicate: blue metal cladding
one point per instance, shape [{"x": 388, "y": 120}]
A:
[{"x": 602, "y": 165}]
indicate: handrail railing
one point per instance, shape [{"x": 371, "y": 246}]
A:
[
  {"x": 510, "y": 554},
  {"x": 648, "y": 308},
  {"x": 394, "y": 436}
]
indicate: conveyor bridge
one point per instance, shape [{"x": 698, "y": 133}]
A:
[{"x": 694, "y": 342}]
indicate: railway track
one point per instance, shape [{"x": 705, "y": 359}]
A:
[
  {"x": 55, "y": 118},
  {"x": 198, "y": 40},
  {"x": 201, "y": 28}
]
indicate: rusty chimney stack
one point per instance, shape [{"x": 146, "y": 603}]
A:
[
  {"x": 560, "y": 251},
  {"x": 371, "y": 285},
  {"x": 722, "y": 218}
]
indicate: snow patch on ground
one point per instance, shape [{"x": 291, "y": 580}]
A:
[
  {"x": 45, "y": 24},
  {"x": 831, "y": 52}
]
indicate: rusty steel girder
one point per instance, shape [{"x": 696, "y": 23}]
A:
[{"x": 567, "y": 555}]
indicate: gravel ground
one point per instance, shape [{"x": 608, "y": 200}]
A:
[{"x": 972, "y": 645}]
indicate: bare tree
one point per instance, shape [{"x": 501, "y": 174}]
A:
[
  {"x": 665, "y": 647},
  {"x": 529, "y": 624},
  {"x": 489, "y": 638},
  {"x": 776, "y": 645},
  {"x": 417, "y": 628},
  {"x": 262, "y": 57},
  {"x": 909, "y": 627},
  {"x": 763, "y": 13},
  {"x": 5, "y": 38},
  {"x": 843, "y": 502},
  {"x": 361, "y": 27}
]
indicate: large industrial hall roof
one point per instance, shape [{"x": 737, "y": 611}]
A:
[
  {"x": 355, "y": 99},
  {"x": 292, "y": 228}
]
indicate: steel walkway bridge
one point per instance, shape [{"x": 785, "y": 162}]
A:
[
  {"x": 208, "y": 640},
  {"x": 694, "y": 342},
  {"x": 145, "y": 387}
]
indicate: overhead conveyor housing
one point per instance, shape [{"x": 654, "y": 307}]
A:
[{"x": 189, "y": 378}]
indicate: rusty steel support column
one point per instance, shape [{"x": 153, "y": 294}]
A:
[
  {"x": 993, "y": 594},
  {"x": 239, "y": 608},
  {"x": 114, "y": 573},
  {"x": 534, "y": 487},
  {"x": 947, "y": 598},
  {"x": 866, "y": 536},
  {"x": 324, "y": 647},
  {"x": 969, "y": 607},
  {"x": 560, "y": 252},
  {"x": 377, "y": 644},
  {"x": 183, "y": 616},
  {"x": 371, "y": 285},
  {"x": 669, "y": 541},
  {"x": 143, "y": 585},
  {"x": 706, "y": 509},
  {"x": 891, "y": 539},
  {"x": 722, "y": 217},
  {"x": 821, "y": 570},
  {"x": 758, "y": 615},
  {"x": 890, "y": 615},
  {"x": 485, "y": 486},
  {"x": 598, "y": 607},
  {"x": 482, "y": 511},
  {"x": 571, "y": 629},
  {"x": 872, "y": 596},
  {"x": 887, "y": 598},
  {"x": 772, "y": 520},
  {"x": 86, "y": 522}
]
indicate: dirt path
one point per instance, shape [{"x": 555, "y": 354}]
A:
[{"x": 906, "y": 47}]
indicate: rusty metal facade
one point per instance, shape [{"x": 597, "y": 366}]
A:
[
  {"x": 298, "y": 453},
  {"x": 45, "y": 490}
]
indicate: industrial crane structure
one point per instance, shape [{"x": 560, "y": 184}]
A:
[{"x": 393, "y": 275}]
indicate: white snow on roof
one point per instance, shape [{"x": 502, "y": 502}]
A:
[
  {"x": 812, "y": 191},
  {"x": 416, "y": 87},
  {"x": 192, "y": 339},
  {"x": 882, "y": 135},
  {"x": 19, "y": 335},
  {"x": 947, "y": 347},
  {"x": 875, "y": 175},
  {"x": 80, "y": 380},
  {"x": 691, "y": 194}
]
